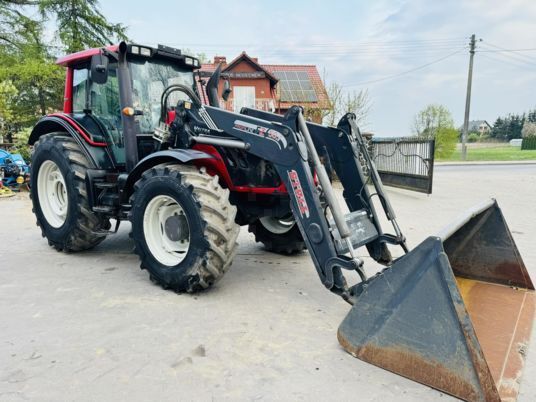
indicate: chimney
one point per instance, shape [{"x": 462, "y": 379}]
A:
[
  {"x": 220, "y": 60},
  {"x": 255, "y": 59}
]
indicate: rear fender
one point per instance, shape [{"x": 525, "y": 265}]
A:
[
  {"x": 181, "y": 156},
  {"x": 95, "y": 151}
]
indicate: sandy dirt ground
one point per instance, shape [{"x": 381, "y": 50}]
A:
[{"x": 91, "y": 326}]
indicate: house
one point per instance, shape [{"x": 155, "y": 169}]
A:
[
  {"x": 269, "y": 87},
  {"x": 478, "y": 126}
]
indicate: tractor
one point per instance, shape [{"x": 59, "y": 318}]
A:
[{"x": 135, "y": 143}]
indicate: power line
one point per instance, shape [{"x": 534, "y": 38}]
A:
[
  {"x": 511, "y": 63},
  {"x": 404, "y": 72},
  {"x": 511, "y": 50},
  {"x": 527, "y": 62},
  {"x": 516, "y": 54},
  {"x": 323, "y": 44}
]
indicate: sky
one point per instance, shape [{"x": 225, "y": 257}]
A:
[{"x": 408, "y": 54}]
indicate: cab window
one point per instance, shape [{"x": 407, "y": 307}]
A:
[{"x": 103, "y": 102}]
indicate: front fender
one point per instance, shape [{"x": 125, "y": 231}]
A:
[
  {"x": 183, "y": 156},
  {"x": 95, "y": 150}
]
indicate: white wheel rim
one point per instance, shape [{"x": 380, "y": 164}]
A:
[
  {"x": 52, "y": 194},
  {"x": 166, "y": 230},
  {"x": 277, "y": 226}
]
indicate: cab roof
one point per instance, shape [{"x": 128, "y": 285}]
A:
[
  {"x": 160, "y": 50},
  {"x": 75, "y": 58}
]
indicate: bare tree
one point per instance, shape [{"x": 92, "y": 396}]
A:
[
  {"x": 343, "y": 102},
  {"x": 432, "y": 118}
]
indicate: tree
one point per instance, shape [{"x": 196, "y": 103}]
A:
[
  {"x": 81, "y": 24},
  {"x": 529, "y": 129},
  {"x": 357, "y": 102},
  {"x": 29, "y": 66},
  {"x": 531, "y": 117},
  {"x": 445, "y": 141},
  {"x": 509, "y": 127},
  {"x": 432, "y": 118},
  {"x": 435, "y": 122},
  {"x": 8, "y": 92},
  {"x": 13, "y": 23}
]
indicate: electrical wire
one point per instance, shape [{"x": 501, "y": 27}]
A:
[
  {"x": 403, "y": 72},
  {"x": 512, "y": 62},
  {"x": 508, "y": 53}
]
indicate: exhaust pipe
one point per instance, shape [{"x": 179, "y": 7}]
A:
[{"x": 455, "y": 313}]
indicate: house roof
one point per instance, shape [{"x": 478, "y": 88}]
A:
[
  {"x": 244, "y": 57},
  {"x": 314, "y": 77},
  {"x": 272, "y": 69},
  {"x": 474, "y": 125}
]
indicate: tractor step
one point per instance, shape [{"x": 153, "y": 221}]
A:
[
  {"x": 104, "y": 185},
  {"x": 103, "y": 209},
  {"x": 108, "y": 232}
]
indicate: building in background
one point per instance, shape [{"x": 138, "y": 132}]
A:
[
  {"x": 478, "y": 126},
  {"x": 270, "y": 87}
]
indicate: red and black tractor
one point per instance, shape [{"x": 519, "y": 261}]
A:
[{"x": 135, "y": 143}]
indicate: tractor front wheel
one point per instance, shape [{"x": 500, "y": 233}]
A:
[
  {"x": 279, "y": 235},
  {"x": 183, "y": 227}
]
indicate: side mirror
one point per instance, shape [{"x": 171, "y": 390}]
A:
[
  {"x": 99, "y": 68},
  {"x": 226, "y": 90}
]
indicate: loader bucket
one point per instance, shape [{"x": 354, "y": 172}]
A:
[{"x": 455, "y": 313}]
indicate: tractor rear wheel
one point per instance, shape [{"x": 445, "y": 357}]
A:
[
  {"x": 280, "y": 236},
  {"x": 183, "y": 226},
  {"x": 59, "y": 196}
]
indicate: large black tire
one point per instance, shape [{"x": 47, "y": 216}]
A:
[
  {"x": 79, "y": 230},
  {"x": 211, "y": 227},
  {"x": 288, "y": 243}
]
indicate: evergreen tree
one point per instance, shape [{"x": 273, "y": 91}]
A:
[{"x": 81, "y": 24}]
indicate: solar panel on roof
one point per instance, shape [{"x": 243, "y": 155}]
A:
[{"x": 295, "y": 86}]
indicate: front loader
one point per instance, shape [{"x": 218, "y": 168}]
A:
[{"x": 136, "y": 143}]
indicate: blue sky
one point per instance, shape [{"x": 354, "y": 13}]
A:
[{"x": 360, "y": 44}]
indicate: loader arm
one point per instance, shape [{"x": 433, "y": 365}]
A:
[
  {"x": 344, "y": 145},
  {"x": 281, "y": 144}
]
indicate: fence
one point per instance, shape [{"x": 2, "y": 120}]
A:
[{"x": 406, "y": 162}]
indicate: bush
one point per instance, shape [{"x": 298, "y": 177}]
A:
[
  {"x": 21, "y": 144},
  {"x": 529, "y": 142},
  {"x": 473, "y": 137},
  {"x": 445, "y": 142}
]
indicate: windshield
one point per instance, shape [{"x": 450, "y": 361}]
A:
[{"x": 149, "y": 79}]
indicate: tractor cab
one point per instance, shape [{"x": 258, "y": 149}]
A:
[{"x": 103, "y": 85}]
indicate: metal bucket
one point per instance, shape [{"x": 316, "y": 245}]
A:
[{"x": 455, "y": 313}]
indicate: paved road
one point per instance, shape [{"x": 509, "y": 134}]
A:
[{"x": 91, "y": 326}]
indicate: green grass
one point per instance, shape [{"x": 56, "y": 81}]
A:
[{"x": 503, "y": 153}]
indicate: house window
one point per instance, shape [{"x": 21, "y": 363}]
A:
[{"x": 243, "y": 97}]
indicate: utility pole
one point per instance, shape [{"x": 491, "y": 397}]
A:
[{"x": 468, "y": 98}]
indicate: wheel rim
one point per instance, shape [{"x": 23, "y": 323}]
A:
[
  {"x": 52, "y": 193},
  {"x": 276, "y": 225},
  {"x": 166, "y": 230}
]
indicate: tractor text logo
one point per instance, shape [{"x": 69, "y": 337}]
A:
[
  {"x": 261, "y": 131},
  {"x": 298, "y": 192}
]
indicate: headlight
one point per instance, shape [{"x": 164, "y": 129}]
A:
[{"x": 145, "y": 51}]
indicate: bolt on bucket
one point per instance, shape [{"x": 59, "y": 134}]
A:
[{"x": 455, "y": 313}]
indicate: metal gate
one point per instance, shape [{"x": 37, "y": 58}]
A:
[{"x": 406, "y": 162}]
